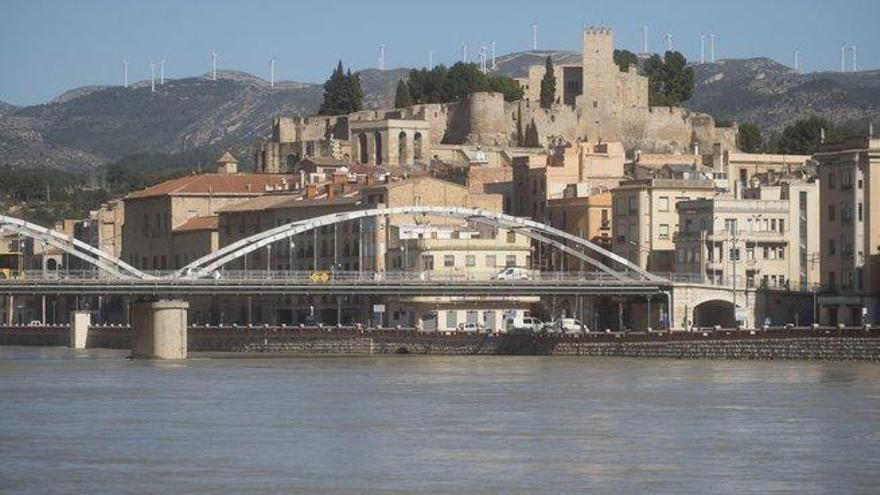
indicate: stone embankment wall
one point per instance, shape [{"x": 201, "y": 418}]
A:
[{"x": 803, "y": 344}]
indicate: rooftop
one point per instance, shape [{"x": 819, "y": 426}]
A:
[
  {"x": 199, "y": 223},
  {"x": 215, "y": 184}
]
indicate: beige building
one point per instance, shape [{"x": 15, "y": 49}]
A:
[
  {"x": 587, "y": 216},
  {"x": 769, "y": 238},
  {"x": 645, "y": 220},
  {"x": 850, "y": 217},
  {"x": 157, "y": 233}
]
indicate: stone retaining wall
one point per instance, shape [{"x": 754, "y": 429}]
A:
[{"x": 803, "y": 344}]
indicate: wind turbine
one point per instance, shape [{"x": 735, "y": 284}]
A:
[
  {"x": 534, "y": 36},
  {"x": 124, "y": 73},
  {"x": 702, "y": 48},
  {"x": 381, "y": 56},
  {"x": 855, "y": 66},
  {"x": 152, "y": 77},
  {"x": 797, "y": 53},
  {"x": 430, "y": 59},
  {"x": 464, "y": 52},
  {"x": 272, "y": 72},
  {"x": 843, "y": 57},
  {"x": 645, "y": 36},
  {"x": 493, "y": 56},
  {"x": 712, "y": 48},
  {"x": 161, "y": 72},
  {"x": 669, "y": 42},
  {"x": 214, "y": 66}
]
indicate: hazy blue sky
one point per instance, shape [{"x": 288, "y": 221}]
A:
[{"x": 47, "y": 47}]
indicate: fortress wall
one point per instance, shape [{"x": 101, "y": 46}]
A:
[
  {"x": 656, "y": 129},
  {"x": 561, "y": 120},
  {"x": 486, "y": 119}
]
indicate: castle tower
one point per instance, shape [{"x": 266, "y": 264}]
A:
[
  {"x": 227, "y": 164},
  {"x": 600, "y": 101}
]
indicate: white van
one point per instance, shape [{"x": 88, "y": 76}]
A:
[
  {"x": 523, "y": 324},
  {"x": 512, "y": 273},
  {"x": 566, "y": 325}
]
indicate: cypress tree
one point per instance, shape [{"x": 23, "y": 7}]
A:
[
  {"x": 532, "y": 139},
  {"x": 548, "y": 85},
  {"x": 402, "y": 98},
  {"x": 519, "y": 127},
  {"x": 342, "y": 93}
]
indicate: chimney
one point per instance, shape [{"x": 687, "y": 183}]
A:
[{"x": 311, "y": 191}]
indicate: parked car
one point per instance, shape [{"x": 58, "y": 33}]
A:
[
  {"x": 566, "y": 325},
  {"x": 470, "y": 328},
  {"x": 523, "y": 324},
  {"x": 35, "y": 323},
  {"x": 512, "y": 273}
]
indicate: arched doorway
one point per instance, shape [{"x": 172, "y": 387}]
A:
[
  {"x": 362, "y": 148},
  {"x": 714, "y": 312},
  {"x": 51, "y": 264},
  {"x": 417, "y": 146},
  {"x": 401, "y": 148},
  {"x": 378, "y": 136}
]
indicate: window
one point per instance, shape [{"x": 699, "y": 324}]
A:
[
  {"x": 470, "y": 261},
  {"x": 831, "y": 184},
  {"x": 860, "y": 212},
  {"x": 491, "y": 261},
  {"x": 510, "y": 260},
  {"x": 428, "y": 261},
  {"x": 449, "y": 260},
  {"x": 664, "y": 231},
  {"x": 511, "y": 236},
  {"x": 831, "y": 213},
  {"x": 734, "y": 254},
  {"x": 832, "y": 280},
  {"x": 472, "y": 316},
  {"x": 781, "y": 226},
  {"x": 451, "y": 319},
  {"x": 832, "y": 246},
  {"x": 633, "y": 205},
  {"x": 846, "y": 180},
  {"x": 663, "y": 203}
]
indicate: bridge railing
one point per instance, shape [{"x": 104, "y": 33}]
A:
[{"x": 517, "y": 277}]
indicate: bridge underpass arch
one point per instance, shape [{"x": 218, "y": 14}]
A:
[
  {"x": 562, "y": 240},
  {"x": 714, "y": 312}
]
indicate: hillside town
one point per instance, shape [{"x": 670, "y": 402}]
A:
[{"x": 753, "y": 238}]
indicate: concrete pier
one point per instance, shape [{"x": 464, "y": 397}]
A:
[
  {"x": 159, "y": 329},
  {"x": 79, "y": 328}
]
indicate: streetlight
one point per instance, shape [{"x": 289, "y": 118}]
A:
[{"x": 291, "y": 247}]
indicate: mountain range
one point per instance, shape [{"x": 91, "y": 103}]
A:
[{"x": 88, "y": 127}]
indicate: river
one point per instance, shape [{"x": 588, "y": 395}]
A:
[{"x": 94, "y": 422}]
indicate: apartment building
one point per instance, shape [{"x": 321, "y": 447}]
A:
[
  {"x": 645, "y": 219},
  {"x": 767, "y": 238},
  {"x": 850, "y": 237},
  {"x": 587, "y": 216}
]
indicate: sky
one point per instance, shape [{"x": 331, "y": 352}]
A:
[{"x": 48, "y": 46}]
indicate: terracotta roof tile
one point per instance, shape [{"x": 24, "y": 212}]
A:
[
  {"x": 220, "y": 184},
  {"x": 199, "y": 223}
]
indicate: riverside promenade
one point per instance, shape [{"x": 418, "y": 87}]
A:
[{"x": 804, "y": 343}]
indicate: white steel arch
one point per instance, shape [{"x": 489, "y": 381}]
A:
[
  {"x": 544, "y": 233},
  {"x": 74, "y": 247}
]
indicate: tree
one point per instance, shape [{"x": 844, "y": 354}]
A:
[
  {"x": 625, "y": 58},
  {"x": 548, "y": 85},
  {"x": 670, "y": 80},
  {"x": 532, "y": 140},
  {"x": 804, "y": 135},
  {"x": 443, "y": 85},
  {"x": 749, "y": 138},
  {"x": 402, "y": 98},
  {"x": 342, "y": 93}
]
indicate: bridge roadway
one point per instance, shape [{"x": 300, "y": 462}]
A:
[{"x": 340, "y": 283}]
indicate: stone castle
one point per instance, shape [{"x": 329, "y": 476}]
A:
[{"x": 596, "y": 101}]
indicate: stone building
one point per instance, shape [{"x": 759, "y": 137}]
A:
[
  {"x": 849, "y": 209},
  {"x": 157, "y": 232},
  {"x": 587, "y": 216},
  {"x": 645, "y": 219},
  {"x": 597, "y": 102}
]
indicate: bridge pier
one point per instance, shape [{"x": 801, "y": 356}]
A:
[
  {"x": 159, "y": 329},
  {"x": 79, "y": 328}
]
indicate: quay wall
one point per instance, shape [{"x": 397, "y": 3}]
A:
[{"x": 856, "y": 344}]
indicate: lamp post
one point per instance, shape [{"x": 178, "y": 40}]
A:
[{"x": 291, "y": 247}]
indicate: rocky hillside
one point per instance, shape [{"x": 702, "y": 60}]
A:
[
  {"x": 771, "y": 95},
  {"x": 87, "y": 127}
]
